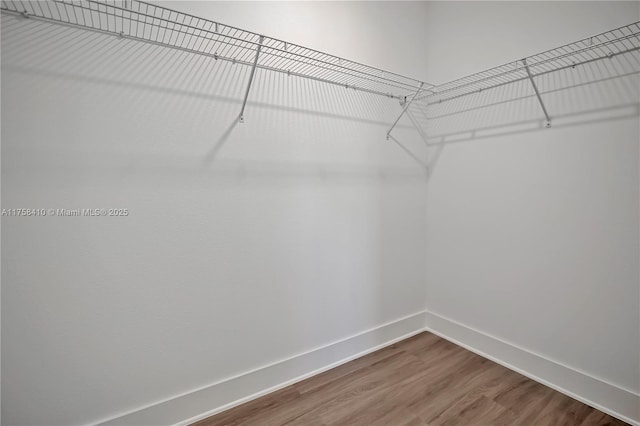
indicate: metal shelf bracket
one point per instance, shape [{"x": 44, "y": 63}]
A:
[
  {"x": 407, "y": 104},
  {"x": 253, "y": 71},
  {"x": 535, "y": 88}
]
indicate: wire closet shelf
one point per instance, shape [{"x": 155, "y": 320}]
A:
[
  {"x": 163, "y": 26},
  {"x": 147, "y": 22},
  {"x": 606, "y": 45}
]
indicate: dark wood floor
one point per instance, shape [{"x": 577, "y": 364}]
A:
[{"x": 424, "y": 380}]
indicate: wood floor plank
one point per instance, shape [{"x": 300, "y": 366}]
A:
[
  {"x": 421, "y": 381},
  {"x": 598, "y": 418},
  {"x": 466, "y": 410},
  {"x": 343, "y": 398},
  {"x": 254, "y": 408},
  {"x": 563, "y": 411},
  {"x": 327, "y": 377}
]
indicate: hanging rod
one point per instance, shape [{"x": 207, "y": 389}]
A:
[
  {"x": 159, "y": 25},
  {"x": 606, "y": 45}
]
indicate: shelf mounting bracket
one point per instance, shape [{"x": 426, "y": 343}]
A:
[
  {"x": 253, "y": 70},
  {"x": 406, "y": 107},
  {"x": 535, "y": 88}
]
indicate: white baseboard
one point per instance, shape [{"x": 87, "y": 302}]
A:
[
  {"x": 201, "y": 403},
  {"x": 607, "y": 397}
]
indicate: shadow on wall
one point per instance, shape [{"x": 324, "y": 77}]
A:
[
  {"x": 196, "y": 101},
  {"x": 603, "y": 90},
  {"x": 251, "y": 242}
]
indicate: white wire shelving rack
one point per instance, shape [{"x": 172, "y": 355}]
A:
[
  {"x": 605, "y": 46},
  {"x": 150, "y": 23},
  {"x": 619, "y": 44},
  {"x": 159, "y": 25}
]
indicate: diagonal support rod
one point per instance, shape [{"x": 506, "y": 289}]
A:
[
  {"x": 253, "y": 71},
  {"x": 406, "y": 107},
  {"x": 535, "y": 88}
]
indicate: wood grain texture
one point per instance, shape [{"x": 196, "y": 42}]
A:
[{"x": 421, "y": 381}]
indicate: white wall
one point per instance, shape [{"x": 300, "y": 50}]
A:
[
  {"x": 533, "y": 236},
  {"x": 245, "y": 244}
]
